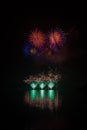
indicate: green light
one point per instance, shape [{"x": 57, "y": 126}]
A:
[
  {"x": 33, "y": 85},
  {"x": 51, "y": 84},
  {"x": 51, "y": 94},
  {"x": 33, "y": 94},
  {"x": 42, "y": 85},
  {"x": 42, "y": 94}
]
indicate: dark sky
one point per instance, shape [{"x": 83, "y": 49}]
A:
[{"x": 16, "y": 24}]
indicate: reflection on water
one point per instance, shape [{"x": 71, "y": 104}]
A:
[
  {"x": 42, "y": 99},
  {"x": 42, "y": 94}
]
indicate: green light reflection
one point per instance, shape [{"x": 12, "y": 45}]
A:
[
  {"x": 33, "y": 94},
  {"x": 42, "y": 94},
  {"x": 51, "y": 94}
]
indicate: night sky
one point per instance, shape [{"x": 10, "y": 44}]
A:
[{"x": 15, "y": 26}]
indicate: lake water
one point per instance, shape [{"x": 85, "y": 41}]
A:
[{"x": 57, "y": 109}]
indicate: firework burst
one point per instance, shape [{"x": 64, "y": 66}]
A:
[
  {"x": 50, "y": 76},
  {"x": 56, "y": 38},
  {"x": 37, "y": 38},
  {"x": 39, "y": 44}
]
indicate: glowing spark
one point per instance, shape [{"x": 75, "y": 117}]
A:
[
  {"x": 55, "y": 38},
  {"x": 37, "y": 38},
  {"x": 50, "y": 76}
]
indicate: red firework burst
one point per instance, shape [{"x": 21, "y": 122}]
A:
[
  {"x": 37, "y": 38},
  {"x": 55, "y": 38}
]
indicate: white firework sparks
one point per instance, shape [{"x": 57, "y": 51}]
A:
[{"x": 50, "y": 76}]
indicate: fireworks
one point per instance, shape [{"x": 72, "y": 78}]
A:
[
  {"x": 40, "y": 44},
  {"x": 56, "y": 38},
  {"x": 26, "y": 49},
  {"x": 33, "y": 51},
  {"x": 42, "y": 80},
  {"x": 37, "y": 38},
  {"x": 43, "y": 77}
]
